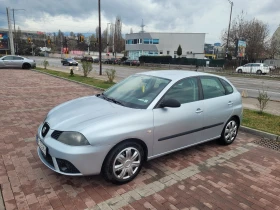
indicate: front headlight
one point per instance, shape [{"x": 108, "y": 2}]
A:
[{"x": 73, "y": 138}]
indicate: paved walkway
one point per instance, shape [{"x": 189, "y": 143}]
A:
[{"x": 240, "y": 176}]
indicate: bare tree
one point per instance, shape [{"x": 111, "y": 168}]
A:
[
  {"x": 119, "y": 41},
  {"x": 254, "y": 32}
]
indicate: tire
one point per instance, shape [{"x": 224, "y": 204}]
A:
[
  {"x": 118, "y": 155},
  {"x": 26, "y": 66},
  {"x": 229, "y": 132},
  {"x": 259, "y": 72},
  {"x": 76, "y": 65},
  {"x": 239, "y": 70}
]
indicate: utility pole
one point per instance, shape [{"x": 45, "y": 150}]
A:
[
  {"x": 10, "y": 32},
  {"x": 45, "y": 43},
  {"x": 99, "y": 38}
]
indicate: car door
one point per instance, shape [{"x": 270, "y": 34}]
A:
[
  {"x": 17, "y": 61},
  {"x": 217, "y": 106},
  {"x": 176, "y": 128},
  {"x": 7, "y": 61}
]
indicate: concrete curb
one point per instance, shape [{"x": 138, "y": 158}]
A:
[
  {"x": 259, "y": 133},
  {"x": 87, "y": 85},
  {"x": 2, "y": 206}
]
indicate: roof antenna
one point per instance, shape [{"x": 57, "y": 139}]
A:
[{"x": 142, "y": 27}]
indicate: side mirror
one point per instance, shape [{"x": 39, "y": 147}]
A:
[{"x": 173, "y": 103}]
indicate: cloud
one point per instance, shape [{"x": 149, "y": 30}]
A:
[{"x": 200, "y": 16}]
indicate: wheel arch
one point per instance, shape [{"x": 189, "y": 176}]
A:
[
  {"x": 139, "y": 141},
  {"x": 237, "y": 118}
]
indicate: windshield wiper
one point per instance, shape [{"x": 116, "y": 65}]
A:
[{"x": 111, "y": 99}]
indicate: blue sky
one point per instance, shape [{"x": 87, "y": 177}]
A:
[{"x": 200, "y": 16}]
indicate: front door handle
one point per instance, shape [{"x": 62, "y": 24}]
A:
[
  {"x": 230, "y": 103},
  {"x": 198, "y": 111}
]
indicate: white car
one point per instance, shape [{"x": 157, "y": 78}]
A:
[{"x": 257, "y": 68}]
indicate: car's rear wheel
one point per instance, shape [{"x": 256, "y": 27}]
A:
[
  {"x": 123, "y": 163},
  {"x": 259, "y": 72},
  {"x": 26, "y": 66},
  {"x": 239, "y": 71},
  {"x": 229, "y": 132}
]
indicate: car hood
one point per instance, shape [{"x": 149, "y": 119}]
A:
[{"x": 74, "y": 115}]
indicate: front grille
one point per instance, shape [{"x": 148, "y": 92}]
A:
[
  {"x": 56, "y": 134},
  {"x": 66, "y": 167},
  {"x": 45, "y": 129}
]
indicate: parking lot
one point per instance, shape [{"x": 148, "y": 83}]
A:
[{"x": 243, "y": 175}]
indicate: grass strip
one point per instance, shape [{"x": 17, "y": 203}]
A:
[
  {"x": 87, "y": 80},
  {"x": 264, "y": 122}
]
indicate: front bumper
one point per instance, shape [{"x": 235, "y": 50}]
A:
[{"x": 72, "y": 160}]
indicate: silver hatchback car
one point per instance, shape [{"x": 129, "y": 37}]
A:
[
  {"x": 15, "y": 61},
  {"x": 145, "y": 116}
]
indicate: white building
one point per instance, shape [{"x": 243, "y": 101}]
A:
[{"x": 152, "y": 44}]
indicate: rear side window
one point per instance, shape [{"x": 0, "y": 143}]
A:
[
  {"x": 228, "y": 87},
  {"x": 212, "y": 87}
]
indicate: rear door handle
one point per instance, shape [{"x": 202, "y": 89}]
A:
[
  {"x": 199, "y": 111},
  {"x": 230, "y": 103}
]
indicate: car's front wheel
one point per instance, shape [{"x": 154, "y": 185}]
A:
[
  {"x": 123, "y": 163},
  {"x": 239, "y": 71},
  {"x": 229, "y": 132}
]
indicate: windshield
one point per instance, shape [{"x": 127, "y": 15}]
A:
[{"x": 137, "y": 91}]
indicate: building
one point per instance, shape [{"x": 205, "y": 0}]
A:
[
  {"x": 156, "y": 44},
  {"x": 276, "y": 36}
]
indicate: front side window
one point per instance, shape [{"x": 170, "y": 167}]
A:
[
  {"x": 212, "y": 87},
  {"x": 184, "y": 91},
  {"x": 137, "y": 91}
]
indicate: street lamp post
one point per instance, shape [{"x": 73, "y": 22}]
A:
[
  {"x": 99, "y": 36},
  {"x": 231, "y": 3}
]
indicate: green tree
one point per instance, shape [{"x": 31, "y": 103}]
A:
[{"x": 179, "y": 50}]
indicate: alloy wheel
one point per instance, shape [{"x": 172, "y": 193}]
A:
[
  {"x": 126, "y": 163},
  {"x": 230, "y": 131}
]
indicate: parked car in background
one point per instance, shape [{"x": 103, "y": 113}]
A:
[
  {"x": 131, "y": 62},
  {"x": 255, "y": 68},
  {"x": 96, "y": 60},
  {"x": 87, "y": 59},
  {"x": 14, "y": 61},
  {"x": 145, "y": 116},
  {"x": 69, "y": 62}
]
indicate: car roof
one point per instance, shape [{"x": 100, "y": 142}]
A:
[{"x": 175, "y": 74}]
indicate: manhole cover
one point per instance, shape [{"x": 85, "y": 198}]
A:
[{"x": 271, "y": 144}]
